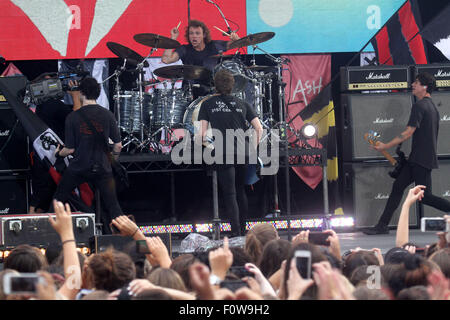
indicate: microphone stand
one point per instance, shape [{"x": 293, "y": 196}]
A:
[{"x": 221, "y": 13}]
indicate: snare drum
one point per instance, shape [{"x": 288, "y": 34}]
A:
[{"x": 237, "y": 68}]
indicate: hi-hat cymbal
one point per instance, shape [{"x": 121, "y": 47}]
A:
[
  {"x": 156, "y": 41},
  {"x": 183, "y": 71},
  {"x": 132, "y": 57},
  {"x": 251, "y": 39}
]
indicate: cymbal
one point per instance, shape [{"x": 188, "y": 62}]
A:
[
  {"x": 188, "y": 72},
  {"x": 156, "y": 41},
  {"x": 132, "y": 57},
  {"x": 251, "y": 39},
  {"x": 260, "y": 68}
]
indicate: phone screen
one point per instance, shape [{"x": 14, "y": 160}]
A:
[
  {"x": 435, "y": 224},
  {"x": 241, "y": 272},
  {"x": 141, "y": 247},
  {"x": 319, "y": 238},
  {"x": 23, "y": 284},
  {"x": 303, "y": 262},
  {"x": 233, "y": 285}
]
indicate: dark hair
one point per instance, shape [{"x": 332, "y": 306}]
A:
[
  {"x": 364, "y": 293},
  {"x": 414, "y": 293},
  {"x": 396, "y": 255},
  {"x": 181, "y": 265},
  {"x": 257, "y": 237},
  {"x": 111, "y": 270},
  {"x": 153, "y": 294},
  {"x": 224, "y": 81},
  {"x": 358, "y": 258},
  {"x": 90, "y": 88},
  {"x": 274, "y": 252},
  {"x": 140, "y": 260},
  {"x": 196, "y": 24},
  {"x": 240, "y": 257},
  {"x": 316, "y": 256},
  {"x": 359, "y": 276},
  {"x": 53, "y": 251},
  {"x": 428, "y": 80},
  {"x": 442, "y": 259},
  {"x": 25, "y": 258}
]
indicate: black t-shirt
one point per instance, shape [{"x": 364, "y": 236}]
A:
[
  {"x": 228, "y": 112},
  {"x": 203, "y": 58},
  {"x": 88, "y": 149},
  {"x": 425, "y": 118},
  {"x": 54, "y": 112}
]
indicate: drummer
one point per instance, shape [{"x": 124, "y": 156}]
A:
[{"x": 199, "y": 50}]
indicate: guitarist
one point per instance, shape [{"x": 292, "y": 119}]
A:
[
  {"x": 90, "y": 163},
  {"x": 423, "y": 127}
]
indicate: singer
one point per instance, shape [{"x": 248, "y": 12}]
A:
[{"x": 200, "y": 47}]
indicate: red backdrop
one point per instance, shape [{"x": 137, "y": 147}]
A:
[{"x": 20, "y": 39}]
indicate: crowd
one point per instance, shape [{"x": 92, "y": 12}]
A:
[{"x": 264, "y": 269}]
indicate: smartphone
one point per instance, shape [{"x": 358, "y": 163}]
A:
[
  {"x": 319, "y": 238},
  {"x": 241, "y": 272},
  {"x": 141, "y": 247},
  {"x": 303, "y": 262},
  {"x": 433, "y": 224},
  {"x": 233, "y": 285},
  {"x": 22, "y": 283}
]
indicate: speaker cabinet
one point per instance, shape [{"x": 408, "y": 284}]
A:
[
  {"x": 442, "y": 101},
  {"x": 440, "y": 187},
  {"x": 13, "y": 142},
  {"x": 14, "y": 194},
  {"x": 366, "y": 190},
  {"x": 386, "y": 114}
]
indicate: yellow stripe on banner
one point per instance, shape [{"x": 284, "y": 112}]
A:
[
  {"x": 332, "y": 169},
  {"x": 339, "y": 211},
  {"x": 323, "y": 120}
]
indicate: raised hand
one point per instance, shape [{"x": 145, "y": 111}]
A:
[{"x": 220, "y": 260}]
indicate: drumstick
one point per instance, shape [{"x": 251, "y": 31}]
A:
[
  {"x": 178, "y": 24},
  {"x": 222, "y": 31}
]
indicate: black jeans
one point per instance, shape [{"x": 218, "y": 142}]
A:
[
  {"x": 411, "y": 173},
  {"x": 231, "y": 179},
  {"x": 105, "y": 184}
]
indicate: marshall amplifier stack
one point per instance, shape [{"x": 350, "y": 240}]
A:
[
  {"x": 378, "y": 98},
  {"x": 14, "y": 162}
]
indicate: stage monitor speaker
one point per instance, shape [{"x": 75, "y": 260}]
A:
[
  {"x": 385, "y": 113},
  {"x": 13, "y": 142},
  {"x": 440, "y": 187},
  {"x": 14, "y": 194},
  {"x": 442, "y": 101},
  {"x": 366, "y": 190},
  {"x": 101, "y": 243}
]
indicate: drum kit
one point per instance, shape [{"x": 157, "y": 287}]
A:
[{"x": 148, "y": 120}]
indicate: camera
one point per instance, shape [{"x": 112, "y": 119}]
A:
[
  {"x": 22, "y": 283},
  {"x": 233, "y": 285},
  {"x": 319, "y": 238},
  {"x": 241, "y": 272},
  {"x": 434, "y": 224}
]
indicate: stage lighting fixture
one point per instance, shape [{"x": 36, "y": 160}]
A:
[{"x": 309, "y": 131}]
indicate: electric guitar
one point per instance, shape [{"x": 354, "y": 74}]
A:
[{"x": 372, "y": 138}]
